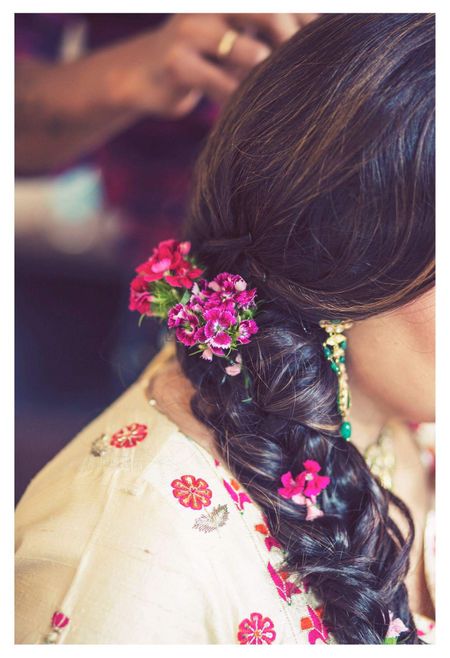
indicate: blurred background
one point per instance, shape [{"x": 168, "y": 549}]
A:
[{"x": 111, "y": 113}]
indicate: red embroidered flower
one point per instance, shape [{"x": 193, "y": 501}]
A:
[
  {"x": 192, "y": 492},
  {"x": 59, "y": 620},
  {"x": 314, "y": 622},
  {"x": 256, "y": 630},
  {"x": 128, "y": 436}
]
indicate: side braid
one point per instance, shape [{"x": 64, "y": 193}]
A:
[{"x": 354, "y": 558}]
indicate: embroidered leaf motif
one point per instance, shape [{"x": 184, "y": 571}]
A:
[{"x": 212, "y": 520}]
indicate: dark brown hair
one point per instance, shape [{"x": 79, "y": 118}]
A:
[{"x": 317, "y": 186}]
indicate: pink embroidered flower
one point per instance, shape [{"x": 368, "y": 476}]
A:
[
  {"x": 140, "y": 297},
  {"x": 129, "y": 436},
  {"x": 192, "y": 492},
  {"x": 313, "y": 621},
  {"x": 59, "y": 620},
  {"x": 239, "y": 497},
  {"x": 396, "y": 626},
  {"x": 284, "y": 588},
  {"x": 256, "y": 630},
  {"x": 246, "y": 329}
]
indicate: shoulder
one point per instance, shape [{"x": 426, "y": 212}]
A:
[{"x": 106, "y": 528}]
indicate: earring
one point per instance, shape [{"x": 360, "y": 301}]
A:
[{"x": 334, "y": 349}]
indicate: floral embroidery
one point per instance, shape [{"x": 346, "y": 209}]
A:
[
  {"x": 269, "y": 541},
  {"x": 127, "y": 437},
  {"x": 256, "y": 630},
  {"x": 284, "y": 588},
  {"x": 58, "y": 622},
  {"x": 192, "y": 492},
  {"x": 212, "y": 520},
  {"x": 314, "y": 622},
  {"x": 239, "y": 497}
]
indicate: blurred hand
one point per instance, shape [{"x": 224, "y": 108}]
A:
[{"x": 166, "y": 71}]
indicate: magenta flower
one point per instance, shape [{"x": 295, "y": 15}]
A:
[
  {"x": 306, "y": 486},
  {"x": 235, "y": 368},
  {"x": 186, "y": 323},
  {"x": 140, "y": 296},
  {"x": 217, "y": 321},
  {"x": 246, "y": 329}
]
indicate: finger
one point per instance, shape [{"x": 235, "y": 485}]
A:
[
  {"x": 305, "y": 19},
  {"x": 276, "y": 27},
  {"x": 245, "y": 52},
  {"x": 207, "y": 77}
]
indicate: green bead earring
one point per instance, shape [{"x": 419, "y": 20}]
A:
[{"x": 334, "y": 350}]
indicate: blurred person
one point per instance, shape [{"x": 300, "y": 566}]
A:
[
  {"x": 111, "y": 110},
  {"x": 267, "y": 479}
]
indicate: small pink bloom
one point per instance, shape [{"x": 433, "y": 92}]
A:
[
  {"x": 207, "y": 354},
  {"x": 396, "y": 626},
  {"x": 59, "y": 620},
  {"x": 246, "y": 298},
  {"x": 192, "y": 492},
  {"x": 235, "y": 368},
  {"x": 256, "y": 630},
  {"x": 246, "y": 329},
  {"x": 312, "y": 511}
]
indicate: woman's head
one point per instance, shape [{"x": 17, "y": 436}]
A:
[
  {"x": 326, "y": 157},
  {"x": 317, "y": 186}
]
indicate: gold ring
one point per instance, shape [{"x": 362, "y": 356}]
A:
[{"x": 226, "y": 43}]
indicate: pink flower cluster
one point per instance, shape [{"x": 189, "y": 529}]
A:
[
  {"x": 169, "y": 263},
  {"x": 305, "y": 488},
  {"x": 218, "y": 317}
]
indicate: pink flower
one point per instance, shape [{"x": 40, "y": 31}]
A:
[
  {"x": 217, "y": 321},
  {"x": 186, "y": 322},
  {"x": 230, "y": 289},
  {"x": 192, "y": 492},
  {"x": 312, "y": 511},
  {"x": 235, "y": 368},
  {"x": 305, "y": 487},
  {"x": 168, "y": 262},
  {"x": 140, "y": 297},
  {"x": 256, "y": 630},
  {"x": 246, "y": 329},
  {"x": 246, "y": 298},
  {"x": 59, "y": 620},
  {"x": 396, "y": 626}
]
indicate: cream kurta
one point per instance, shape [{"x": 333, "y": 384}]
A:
[{"x": 151, "y": 543}]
